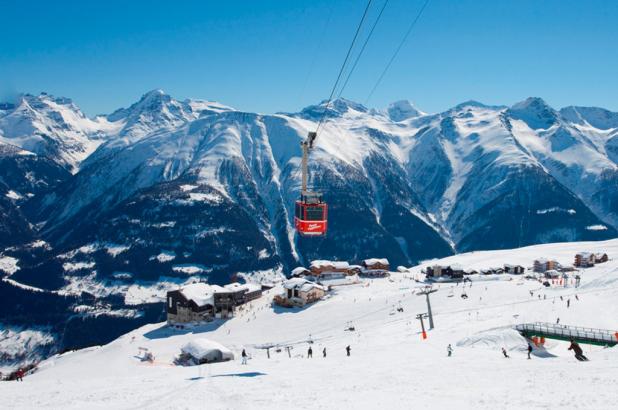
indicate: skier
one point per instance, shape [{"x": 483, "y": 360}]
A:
[
  {"x": 579, "y": 353},
  {"x": 568, "y": 303},
  {"x": 244, "y": 356},
  {"x": 347, "y": 349},
  {"x": 558, "y": 321},
  {"x": 309, "y": 352},
  {"x": 449, "y": 350},
  {"x": 576, "y": 297},
  {"x": 505, "y": 353},
  {"x": 529, "y": 350},
  {"x": 19, "y": 375},
  {"x": 324, "y": 352}
]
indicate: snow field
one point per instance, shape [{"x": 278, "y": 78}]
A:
[{"x": 390, "y": 366}]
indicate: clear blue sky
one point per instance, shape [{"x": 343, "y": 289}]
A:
[{"x": 266, "y": 55}]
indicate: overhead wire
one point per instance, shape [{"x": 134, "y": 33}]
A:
[
  {"x": 341, "y": 70},
  {"x": 375, "y": 23},
  {"x": 399, "y": 47}
]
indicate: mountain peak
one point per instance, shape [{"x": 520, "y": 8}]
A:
[
  {"x": 402, "y": 110},
  {"x": 152, "y": 103},
  {"x": 336, "y": 108},
  {"x": 535, "y": 112}
]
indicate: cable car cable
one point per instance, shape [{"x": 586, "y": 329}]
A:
[
  {"x": 345, "y": 61},
  {"x": 375, "y": 23},
  {"x": 403, "y": 41}
]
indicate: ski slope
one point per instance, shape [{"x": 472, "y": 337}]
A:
[{"x": 390, "y": 365}]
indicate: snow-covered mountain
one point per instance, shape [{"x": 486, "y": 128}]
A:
[{"x": 165, "y": 191}]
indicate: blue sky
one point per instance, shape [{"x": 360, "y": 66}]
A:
[{"x": 269, "y": 56}]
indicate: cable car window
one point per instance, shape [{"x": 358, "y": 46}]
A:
[{"x": 314, "y": 213}]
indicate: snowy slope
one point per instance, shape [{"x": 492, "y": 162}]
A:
[{"x": 390, "y": 364}]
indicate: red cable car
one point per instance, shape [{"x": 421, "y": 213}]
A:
[
  {"x": 311, "y": 215},
  {"x": 311, "y": 212}
]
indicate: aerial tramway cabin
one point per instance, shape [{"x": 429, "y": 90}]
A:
[{"x": 311, "y": 215}]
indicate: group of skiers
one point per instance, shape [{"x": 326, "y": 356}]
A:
[
  {"x": 245, "y": 356},
  {"x": 348, "y": 349},
  {"x": 579, "y": 353}
]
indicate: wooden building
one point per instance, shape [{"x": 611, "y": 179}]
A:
[
  {"x": 199, "y": 302},
  {"x": 244, "y": 292},
  {"x": 514, "y": 269},
  {"x": 320, "y": 266},
  {"x": 376, "y": 264},
  {"x": 601, "y": 257},
  {"x": 299, "y": 292},
  {"x": 542, "y": 265},
  {"x": 585, "y": 259}
]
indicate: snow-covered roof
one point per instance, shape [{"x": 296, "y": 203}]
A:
[
  {"x": 299, "y": 270},
  {"x": 202, "y": 293},
  {"x": 373, "y": 261},
  {"x": 335, "y": 264},
  {"x": 200, "y": 348},
  {"x": 249, "y": 287},
  {"x": 301, "y": 284},
  {"x": 585, "y": 254}
]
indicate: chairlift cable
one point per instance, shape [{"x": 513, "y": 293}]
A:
[{"x": 399, "y": 47}]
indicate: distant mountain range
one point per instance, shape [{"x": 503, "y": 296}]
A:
[{"x": 102, "y": 215}]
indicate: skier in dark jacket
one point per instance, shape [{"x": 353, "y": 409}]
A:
[
  {"x": 309, "y": 352},
  {"x": 347, "y": 349},
  {"x": 244, "y": 356},
  {"x": 579, "y": 353},
  {"x": 324, "y": 352},
  {"x": 505, "y": 353},
  {"x": 529, "y": 350}
]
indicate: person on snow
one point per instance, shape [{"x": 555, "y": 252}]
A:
[
  {"x": 309, "y": 352},
  {"x": 324, "y": 352},
  {"x": 529, "y": 350},
  {"x": 576, "y": 297},
  {"x": 557, "y": 320},
  {"x": 347, "y": 350},
  {"x": 449, "y": 350},
  {"x": 244, "y": 356},
  {"x": 506, "y": 356},
  {"x": 579, "y": 353},
  {"x": 19, "y": 375},
  {"x": 568, "y": 303}
]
